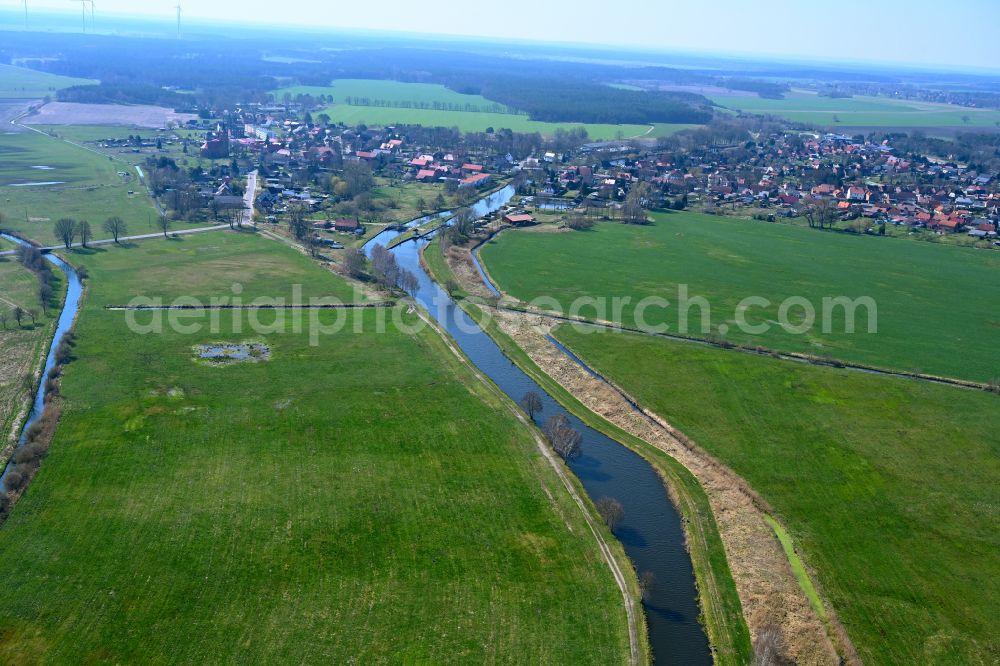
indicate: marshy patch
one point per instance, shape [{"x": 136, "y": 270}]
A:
[{"x": 228, "y": 353}]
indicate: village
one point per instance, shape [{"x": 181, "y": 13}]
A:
[{"x": 333, "y": 175}]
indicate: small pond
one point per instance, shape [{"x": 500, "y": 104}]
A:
[{"x": 222, "y": 353}]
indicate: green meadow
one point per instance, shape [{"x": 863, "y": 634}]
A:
[
  {"x": 216, "y": 264},
  {"x": 806, "y": 107},
  {"x": 88, "y": 186},
  {"x": 474, "y": 115},
  {"x": 935, "y": 304},
  {"x": 364, "y": 500},
  {"x": 24, "y": 83},
  {"x": 888, "y": 486}
]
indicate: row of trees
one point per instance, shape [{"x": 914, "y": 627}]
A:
[
  {"x": 435, "y": 105},
  {"x": 390, "y": 274},
  {"x": 565, "y": 440},
  {"x": 68, "y": 230},
  {"x": 31, "y": 258}
]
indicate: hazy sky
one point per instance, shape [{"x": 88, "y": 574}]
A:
[{"x": 924, "y": 32}]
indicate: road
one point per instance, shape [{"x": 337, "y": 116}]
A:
[{"x": 109, "y": 241}]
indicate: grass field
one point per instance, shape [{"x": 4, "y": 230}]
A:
[
  {"x": 23, "y": 83},
  {"x": 161, "y": 269},
  {"x": 359, "y": 501},
  {"x": 889, "y": 487},
  {"x": 94, "y": 136},
  {"x": 806, "y": 107},
  {"x": 20, "y": 346},
  {"x": 471, "y": 120},
  {"x": 398, "y": 201},
  {"x": 89, "y": 187},
  {"x": 935, "y": 304}
]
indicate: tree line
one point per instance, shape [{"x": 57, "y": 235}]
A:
[{"x": 435, "y": 106}]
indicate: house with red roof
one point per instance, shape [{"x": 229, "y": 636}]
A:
[
  {"x": 478, "y": 180},
  {"x": 519, "y": 219}
]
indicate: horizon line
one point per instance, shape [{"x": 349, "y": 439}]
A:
[{"x": 629, "y": 49}]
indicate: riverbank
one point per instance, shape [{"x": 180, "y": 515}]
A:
[
  {"x": 23, "y": 350},
  {"x": 720, "y": 605}
]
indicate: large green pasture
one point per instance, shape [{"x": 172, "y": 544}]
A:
[
  {"x": 359, "y": 501},
  {"x": 466, "y": 121},
  {"x": 806, "y": 107},
  {"x": 239, "y": 266},
  {"x": 24, "y": 83},
  {"x": 889, "y": 487},
  {"x": 936, "y": 304},
  {"x": 89, "y": 187}
]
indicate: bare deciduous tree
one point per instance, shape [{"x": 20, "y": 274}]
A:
[
  {"x": 408, "y": 282},
  {"x": 19, "y": 314},
  {"x": 564, "y": 439},
  {"x": 531, "y": 402},
  {"x": 115, "y": 226},
  {"x": 611, "y": 511},
  {"x": 354, "y": 262},
  {"x": 297, "y": 223},
  {"x": 163, "y": 224},
  {"x": 769, "y": 649},
  {"x": 45, "y": 293},
  {"x": 85, "y": 232},
  {"x": 65, "y": 230}
]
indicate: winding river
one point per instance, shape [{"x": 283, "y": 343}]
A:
[
  {"x": 651, "y": 531},
  {"x": 65, "y": 323}
]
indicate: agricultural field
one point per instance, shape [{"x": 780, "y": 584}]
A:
[
  {"x": 137, "y": 115},
  {"x": 929, "y": 317},
  {"x": 363, "y": 500},
  {"x": 43, "y": 179},
  {"x": 888, "y": 486},
  {"x": 470, "y": 113},
  {"x": 24, "y": 83},
  {"x": 21, "y": 346},
  {"x": 870, "y": 112}
]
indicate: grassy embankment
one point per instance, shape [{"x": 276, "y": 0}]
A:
[
  {"x": 89, "y": 187},
  {"x": 475, "y": 119},
  {"x": 887, "y": 486},
  {"x": 21, "y": 347},
  {"x": 24, "y": 83},
  {"x": 722, "y": 612},
  {"x": 362, "y": 499},
  {"x": 935, "y": 304},
  {"x": 867, "y": 112}
]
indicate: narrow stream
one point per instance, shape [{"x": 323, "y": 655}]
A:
[
  {"x": 651, "y": 531},
  {"x": 66, "y": 317}
]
